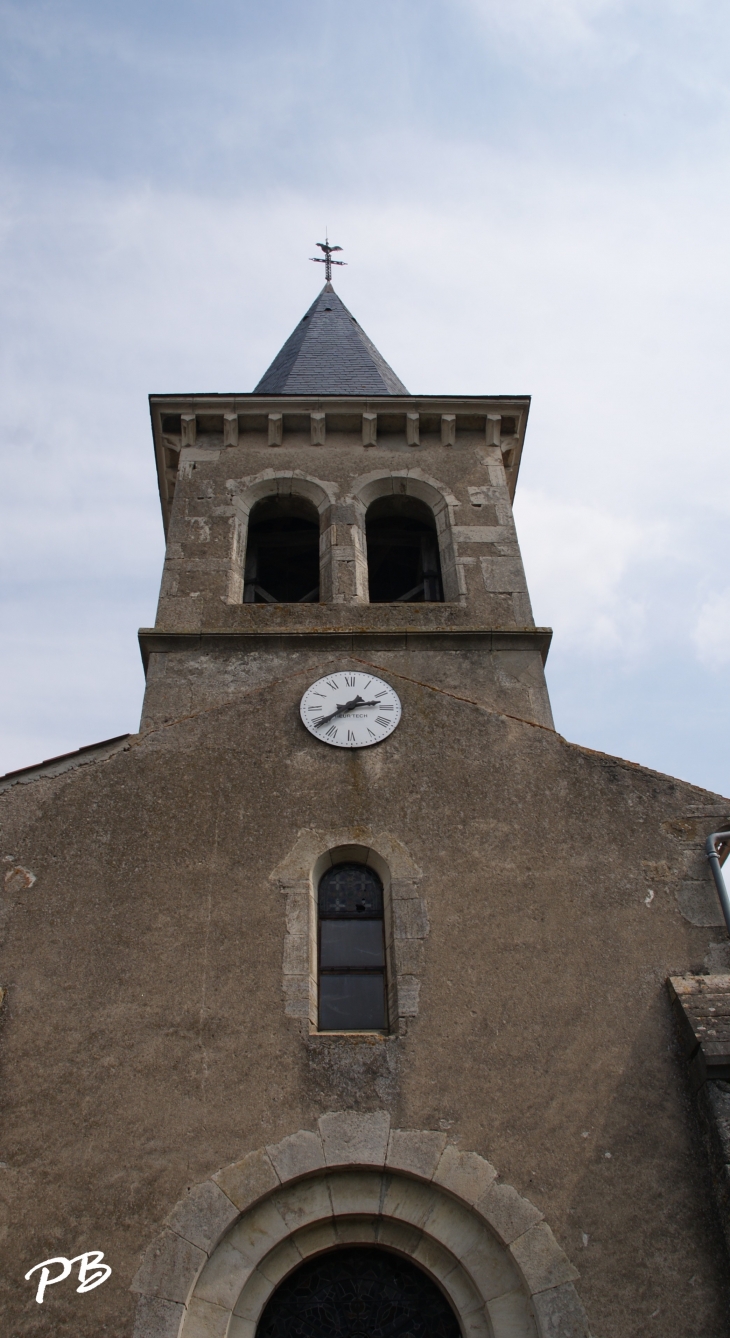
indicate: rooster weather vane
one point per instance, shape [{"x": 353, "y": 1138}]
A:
[{"x": 326, "y": 259}]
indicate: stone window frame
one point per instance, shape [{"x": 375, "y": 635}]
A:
[
  {"x": 405, "y": 917},
  {"x": 354, "y": 1180},
  {"x": 247, "y": 492},
  {"x": 441, "y": 502}
]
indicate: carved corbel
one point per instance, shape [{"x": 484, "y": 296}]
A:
[
  {"x": 494, "y": 429},
  {"x": 276, "y": 429},
  {"x": 230, "y": 429},
  {"x": 187, "y": 429},
  {"x": 370, "y": 429},
  {"x": 317, "y": 423},
  {"x": 448, "y": 429}
]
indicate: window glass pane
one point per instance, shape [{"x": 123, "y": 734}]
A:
[
  {"x": 350, "y": 890},
  {"x": 358, "y": 1291},
  {"x": 351, "y": 943},
  {"x": 351, "y": 1003}
]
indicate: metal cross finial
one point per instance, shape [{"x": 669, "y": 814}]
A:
[{"x": 326, "y": 259}]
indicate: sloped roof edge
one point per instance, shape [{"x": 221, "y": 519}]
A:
[{"x": 328, "y": 353}]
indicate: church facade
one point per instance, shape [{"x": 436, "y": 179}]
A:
[{"x": 335, "y": 999}]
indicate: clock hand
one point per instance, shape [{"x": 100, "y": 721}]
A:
[{"x": 348, "y": 706}]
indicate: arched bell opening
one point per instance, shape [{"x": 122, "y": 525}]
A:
[
  {"x": 282, "y": 552},
  {"x": 403, "y": 552},
  {"x": 358, "y": 1292}
]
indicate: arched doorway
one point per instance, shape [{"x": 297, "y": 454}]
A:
[
  {"x": 234, "y": 1239},
  {"x": 282, "y": 552},
  {"x": 358, "y": 1293},
  {"x": 403, "y": 552}
]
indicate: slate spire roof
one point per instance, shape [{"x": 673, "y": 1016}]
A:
[{"x": 329, "y": 354}]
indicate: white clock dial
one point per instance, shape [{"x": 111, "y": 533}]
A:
[{"x": 350, "y": 710}]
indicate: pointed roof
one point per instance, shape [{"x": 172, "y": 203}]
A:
[{"x": 329, "y": 354}]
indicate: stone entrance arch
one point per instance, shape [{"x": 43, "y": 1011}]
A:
[{"x": 355, "y": 1180}]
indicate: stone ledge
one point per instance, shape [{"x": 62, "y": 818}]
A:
[
  {"x": 157, "y": 641},
  {"x": 702, "y": 1008}
]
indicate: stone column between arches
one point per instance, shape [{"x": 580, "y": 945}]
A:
[{"x": 354, "y": 1180}]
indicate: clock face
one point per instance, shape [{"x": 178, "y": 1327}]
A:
[{"x": 350, "y": 709}]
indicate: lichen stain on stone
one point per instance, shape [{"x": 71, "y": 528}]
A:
[{"x": 18, "y": 879}]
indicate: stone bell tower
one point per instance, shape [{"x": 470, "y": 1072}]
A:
[
  {"x": 319, "y": 1023},
  {"x": 330, "y": 427}
]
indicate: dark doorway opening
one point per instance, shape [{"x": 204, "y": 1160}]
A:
[
  {"x": 358, "y": 1292},
  {"x": 403, "y": 552},
  {"x": 282, "y": 553}
]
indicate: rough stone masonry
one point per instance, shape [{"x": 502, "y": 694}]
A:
[{"x": 525, "y": 1127}]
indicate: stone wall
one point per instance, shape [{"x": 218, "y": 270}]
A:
[{"x": 147, "y": 1038}]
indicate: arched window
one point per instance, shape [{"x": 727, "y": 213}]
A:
[
  {"x": 403, "y": 552},
  {"x": 351, "y": 950},
  {"x": 358, "y": 1292},
  {"x": 282, "y": 552}
]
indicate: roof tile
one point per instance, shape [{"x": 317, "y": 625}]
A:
[{"x": 329, "y": 354}]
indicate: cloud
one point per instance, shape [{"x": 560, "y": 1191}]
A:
[
  {"x": 533, "y": 23},
  {"x": 599, "y": 287},
  {"x": 581, "y": 564},
  {"x": 711, "y": 631}
]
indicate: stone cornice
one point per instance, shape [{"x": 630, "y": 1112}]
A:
[
  {"x": 155, "y": 641},
  {"x": 219, "y": 421}
]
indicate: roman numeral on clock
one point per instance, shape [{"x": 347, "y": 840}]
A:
[{"x": 382, "y": 720}]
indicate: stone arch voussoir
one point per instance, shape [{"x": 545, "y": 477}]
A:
[
  {"x": 436, "y": 496},
  {"x": 245, "y": 493},
  {"x": 233, "y": 1238},
  {"x": 281, "y": 483},
  {"x": 403, "y": 482}
]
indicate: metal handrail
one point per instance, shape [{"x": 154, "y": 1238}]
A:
[{"x": 714, "y": 858}]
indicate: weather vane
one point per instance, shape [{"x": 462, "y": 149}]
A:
[{"x": 326, "y": 259}]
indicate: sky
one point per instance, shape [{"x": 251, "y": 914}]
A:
[{"x": 533, "y": 198}]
